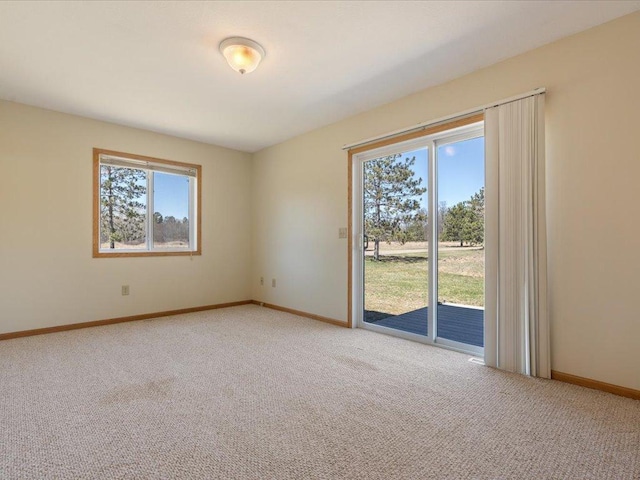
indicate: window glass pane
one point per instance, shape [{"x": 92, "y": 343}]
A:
[
  {"x": 123, "y": 207},
  {"x": 461, "y": 241},
  {"x": 395, "y": 204},
  {"x": 171, "y": 210}
]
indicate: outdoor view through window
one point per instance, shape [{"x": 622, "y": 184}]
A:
[
  {"x": 397, "y": 223},
  {"x": 145, "y": 206}
]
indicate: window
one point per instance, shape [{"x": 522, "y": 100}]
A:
[{"x": 144, "y": 206}]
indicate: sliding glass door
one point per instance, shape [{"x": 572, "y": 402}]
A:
[
  {"x": 419, "y": 224},
  {"x": 459, "y": 249},
  {"x": 394, "y": 222}
]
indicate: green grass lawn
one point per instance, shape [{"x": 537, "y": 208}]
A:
[{"x": 398, "y": 283}]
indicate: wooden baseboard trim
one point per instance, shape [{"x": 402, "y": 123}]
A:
[
  {"x": 111, "y": 321},
  {"x": 555, "y": 375},
  {"x": 300, "y": 313},
  {"x": 596, "y": 385}
]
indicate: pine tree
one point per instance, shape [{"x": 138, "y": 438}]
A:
[
  {"x": 455, "y": 223},
  {"x": 474, "y": 231},
  {"x": 464, "y": 222},
  {"x": 122, "y": 214},
  {"x": 391, "y": 199}
]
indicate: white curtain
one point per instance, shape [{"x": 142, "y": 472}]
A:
[{"x": 516, "y": 313}]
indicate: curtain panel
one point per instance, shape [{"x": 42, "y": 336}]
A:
[{"x": 516, "y": 310}]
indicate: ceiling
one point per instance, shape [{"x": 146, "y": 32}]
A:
[{"x": 156, "y": 65}]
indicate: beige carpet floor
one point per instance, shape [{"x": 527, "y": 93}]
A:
[{"x": 251, "y": 393}]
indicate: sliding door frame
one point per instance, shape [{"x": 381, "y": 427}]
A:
[
  {"x": 357, "y": 229},
  {"x": 426, "y": 138},
  {"x": 446, "y": 138}
]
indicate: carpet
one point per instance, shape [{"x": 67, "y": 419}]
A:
[{"x": 252, "y": 393}]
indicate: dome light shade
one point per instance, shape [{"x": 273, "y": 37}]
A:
[{"x": 242, "y": 54}]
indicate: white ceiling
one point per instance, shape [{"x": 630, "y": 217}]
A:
[{"x": 156, "y": 65}]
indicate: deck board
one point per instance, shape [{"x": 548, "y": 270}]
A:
[{"x": 460, "y": 324}]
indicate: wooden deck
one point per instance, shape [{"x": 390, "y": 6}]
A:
[{"x": 460, "y": 324}]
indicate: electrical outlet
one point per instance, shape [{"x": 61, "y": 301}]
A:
[
  {"x": 262, "y": 281},
  {"x": 273, "y": 282},
  {"x": 125, "y": 289},
  {"x": 342, "y": 232}
]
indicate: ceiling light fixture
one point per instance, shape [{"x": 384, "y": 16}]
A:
[{"x": 242, "y": 54}]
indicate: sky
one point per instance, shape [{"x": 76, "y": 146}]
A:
[
  {"x": 460, "y": 170},
  {"x": 171, "y": 195},
  {"x": 460, "y": 175}
]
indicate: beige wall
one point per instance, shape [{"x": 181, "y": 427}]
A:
[
  {"x": 285, "y": 206},
  {"x": 47, "y": 274},
  {"x": 593, "y": 168}
]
